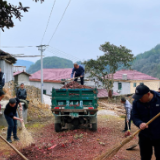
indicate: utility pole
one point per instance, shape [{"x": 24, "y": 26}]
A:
[{"x": 42, "y": 49}]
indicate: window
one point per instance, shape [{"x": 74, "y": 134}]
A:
[
  {"x": 44, "y": 91},
  {"x": 134, "y": 84},
  {"x": 141, "y": 83},
  {"x": 119, "y": 86}
]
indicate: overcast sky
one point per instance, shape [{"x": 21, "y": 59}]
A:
[{"x": 86, "y": 24}]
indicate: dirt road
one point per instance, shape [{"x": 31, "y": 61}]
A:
[{"x": 74, "y": 145}]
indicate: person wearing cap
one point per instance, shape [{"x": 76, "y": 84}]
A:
[
  {"x": 1, "y": 97},
  {"x": 146, "y": 105},
  {"x": 128, "y": 108},
  {"x": 10, "y": 113}
]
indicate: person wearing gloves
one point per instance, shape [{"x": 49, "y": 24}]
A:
[
  {"x": 79, "y": 72},
  {"x": 146, "y": 105},
  {"x": 10, "y": 113},
  {"x": 128, "y": 108}
]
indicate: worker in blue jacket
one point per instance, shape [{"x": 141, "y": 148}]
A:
[
  {"x": 146, "y": 105},
  {"x": 79, "y": 72}
]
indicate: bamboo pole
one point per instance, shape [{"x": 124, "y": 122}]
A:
[{"x": 14, "y": 148}]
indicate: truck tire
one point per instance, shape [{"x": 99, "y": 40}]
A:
[
  {"x": 57, "y": 127},
  {"x": 94, "y": 127}
]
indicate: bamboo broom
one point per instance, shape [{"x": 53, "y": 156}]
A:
[
  {"x": 110, "y": 153},
  {"x": 25, "y": 136}
]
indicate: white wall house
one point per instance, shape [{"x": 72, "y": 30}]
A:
[
  {"x": 126, "y": 81},
  {"x": 6, "y": 65},
  {"x": 53, "y": 78},
  {"x": 21, "y": 77}
]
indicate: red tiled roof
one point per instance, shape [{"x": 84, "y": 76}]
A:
[
  {"x": 19, "y": 72},
  {"x": 102, "y": 93},
  {"x": 133, "y": 75},
  {"x": 52, "y": 75}
]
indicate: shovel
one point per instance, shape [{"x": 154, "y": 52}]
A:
[{"x": 132, "y": 147}]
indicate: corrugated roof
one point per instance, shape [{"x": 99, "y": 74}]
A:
[
  {"x": 19, "y": 72},
  {"x": 133, "y": 75},
  {"x": 52, "y": 75},
  {"x": 102, "y": 93}
]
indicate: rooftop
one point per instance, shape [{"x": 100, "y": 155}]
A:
[
  {"x": 7, "y": 56},
  {"x": 133, "y": 75},
  {"x": 52, "y": 75},
  {"x": 20, "y": 72},
  {"x": 102, "y": 93}
]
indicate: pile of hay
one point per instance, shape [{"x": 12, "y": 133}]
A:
[{"x": 38, "y": 111}]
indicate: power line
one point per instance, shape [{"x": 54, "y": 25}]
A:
[
  {"x": 48, "y": 21},
  {"x": 16, "y": 46},
  {"x": 60, "y": 20},
  {"x": 60, "y": 54},
  {"x": 60, "y": 51}
]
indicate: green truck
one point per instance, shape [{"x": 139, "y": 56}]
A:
[{"x": 75, "y": 107}]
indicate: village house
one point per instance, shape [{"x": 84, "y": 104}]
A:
[
  {"x": 54, "y": 78},
  {"x": 6, "y": 64},
  {"x": 126, "y": 81},
  {"x": 21, "y": 77}
]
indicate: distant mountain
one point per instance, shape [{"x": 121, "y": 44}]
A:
[
  {"x": 24, "y": 63},
  {"x": 148, "y": 62},
  {"x": 51, "y": 62}
]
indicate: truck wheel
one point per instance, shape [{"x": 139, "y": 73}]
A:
[
  {"x": 57, "y": 127},
  {"x": 94, "y": 127}
]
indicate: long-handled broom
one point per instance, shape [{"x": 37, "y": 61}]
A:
[
  {"x": 110, "y": 153},
  {"x": 25, "y": 136}
]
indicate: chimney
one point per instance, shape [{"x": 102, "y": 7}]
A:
[{"x": 124, "y": 76}]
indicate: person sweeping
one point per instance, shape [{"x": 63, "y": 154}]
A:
[
  {"x": 146, "y": 105},
  {"x": 128, "y": 108},
  {"x": 10, "y": 113}
]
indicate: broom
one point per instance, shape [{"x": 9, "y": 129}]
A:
[
  {"x": 25, "y": 136},
  {"x": 110, "y": 153}
]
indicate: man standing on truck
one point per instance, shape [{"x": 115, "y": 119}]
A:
[
  {"x": 146, "y": 105},
  {"x": 128, "y": 108},
  {"x": 79, "y": 72}
]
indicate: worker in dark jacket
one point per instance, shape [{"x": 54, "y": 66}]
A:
[
  {"x": 1, "y": 97},
  {"x": 79, "y": 72},
  {"x": 22, "y": 95},
  {"x": 10, "y": 113},
  {"x": 2, "y": 79},
  {"x": 146, "y": 105}
]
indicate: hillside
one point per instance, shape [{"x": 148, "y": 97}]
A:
[
  {"x": 148, "y": 62},
  {"x": 24, "y": 63},
  {"x": 51, "y": 62}
]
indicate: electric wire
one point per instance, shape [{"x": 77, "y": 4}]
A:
[
  {"x": 48, "y": 20},
  {"x": 60, "y": 54},
  {"x": 64, "y": 53},
  {"x": 60, "y": 21}
]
